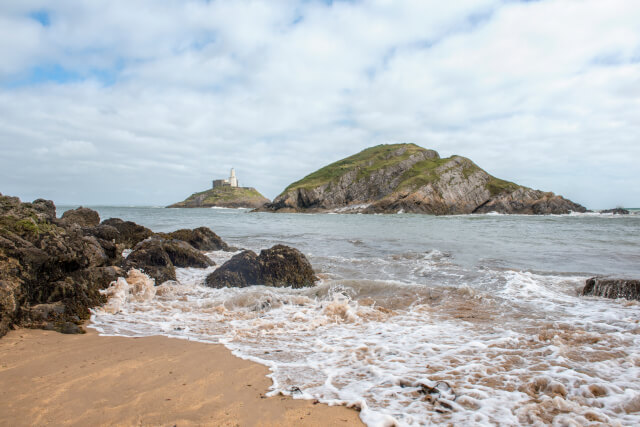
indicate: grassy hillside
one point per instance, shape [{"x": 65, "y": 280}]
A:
[
  {"x": 381, "y": 156},
  {"x": 366, "y": 162}
]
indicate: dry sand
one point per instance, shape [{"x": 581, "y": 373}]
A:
[{"x": 47, "y": 378}]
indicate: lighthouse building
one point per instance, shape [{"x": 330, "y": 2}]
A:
[{"x": 231, "y": 182}]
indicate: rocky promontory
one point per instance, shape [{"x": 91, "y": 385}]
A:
[
  {"x": 408, "y": 178},
  {"x": 224, "y": 197}
]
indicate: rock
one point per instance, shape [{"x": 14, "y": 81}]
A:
[
  {"x": 283, "y": 266},
  {"x": 530, "y": 202},
  {"x": 158, "y": 258},
  {"x": 129, "y": 233},
  {"x": 182, "y": 254},
  {"x": 84, "y": 217},
  {"x": 411, "y": 179},
  {"x": 51, "y": 270},
  {"x": 279, "y": 266},
  {"x": 201, "y": 238},
  {"x": 240, "y": 271},
  {"x": 612, "y": 288},
  {"x": 616, "y": 211}
]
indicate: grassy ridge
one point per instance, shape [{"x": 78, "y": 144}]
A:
[
  {"x": 366, "y": 162},
  {"x": 381, "y": 156}
]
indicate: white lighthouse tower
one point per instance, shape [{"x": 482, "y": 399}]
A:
[{"x": 233, "y": 181}]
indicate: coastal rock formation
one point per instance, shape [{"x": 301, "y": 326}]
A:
[
  {"x": 201, "y": 238},
  {"x": 280, "y": 266},
  {"x": 84, "y": 217},
  {"x": 128, "y": 233},
  {"x": 225, "y": 197},
  {"x": 612, "y": 288},
  {"x": 158, "y": 257},
  {"x": 50, "y": 271},
  {"x": 616, "y": 211},
  {"x": 409, "y": 178}
]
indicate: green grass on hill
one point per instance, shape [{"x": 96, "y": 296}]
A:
[
  {"x": 381, "y": 156},
  {"x": 366, "y": 161},
  {"x": 222, "y": 194}
]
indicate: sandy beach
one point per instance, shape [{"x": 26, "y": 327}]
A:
[{"x": 53, "y": 379}]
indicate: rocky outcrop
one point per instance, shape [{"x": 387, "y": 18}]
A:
[
  {"x": 127, "y": 233},
  {"x": 224, "y": 197},
  {"x": 280, "y": 266},
  {"x": 531, "y": 202},
  {"x": 84, "y": 217},
  {"x": 612, "y": 288},
  {"x": 50, "y": 270},
  {"x": 201, "y": 238},
  {"x": 408, "y": 178},
  {"x": 158, "y": 257},
  {"x": 616, "y": 211}
]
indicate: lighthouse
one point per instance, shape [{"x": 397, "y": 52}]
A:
[{"x": 233, "y": 181}]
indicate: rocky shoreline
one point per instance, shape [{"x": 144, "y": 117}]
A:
[{"x": 54, "y": 270}]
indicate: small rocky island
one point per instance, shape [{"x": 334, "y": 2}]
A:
[
  {"x": 224, "y": 193},
  {"x": 408, "y": 178}
]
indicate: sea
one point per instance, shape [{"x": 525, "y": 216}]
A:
[{"x": 417, "y": 319}]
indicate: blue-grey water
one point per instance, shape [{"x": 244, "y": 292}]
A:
[{"x": 418, "y": 319}]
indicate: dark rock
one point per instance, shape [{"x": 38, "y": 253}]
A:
[
  {"x": 158, "y": 258},
  {"x": 183, "y": 254},
  {"x": 84, "y": 217},
  {"x": 150, "y": 257},
  {"x": 201, "y": 238},
  {"x": 616, "y": 211},
  {"x": 279, "y": 266},
  {"x": 285, "y": 266},
  {"x": 51, "y": 270},
  {"x": 129, "y": 233},
  {"x": 612, "y": 288},
  {"x": 240, "y": 271}
]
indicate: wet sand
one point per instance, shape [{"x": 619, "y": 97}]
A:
[{"x": 49, "y": 378}]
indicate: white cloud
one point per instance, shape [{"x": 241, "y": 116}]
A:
[{"x": 174, "y": 93}]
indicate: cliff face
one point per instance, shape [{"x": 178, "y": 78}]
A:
[
  {"x": 226, "y": 197},
  {"x": 408, "y": 178}
]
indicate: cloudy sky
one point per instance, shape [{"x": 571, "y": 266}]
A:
[{"x": 144, "y": 102}]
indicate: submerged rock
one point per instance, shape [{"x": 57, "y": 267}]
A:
[
  {"x": 612, "y": 288},
  {"x": 158, "y": 258},
  {"x": 616, "y": 211},
  {"x": 279, "y": 266}
]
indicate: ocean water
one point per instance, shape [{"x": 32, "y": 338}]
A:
[{"x": 418, "y": 320}]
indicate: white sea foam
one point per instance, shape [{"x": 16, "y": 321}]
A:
[{"x": 483, "y": 347}]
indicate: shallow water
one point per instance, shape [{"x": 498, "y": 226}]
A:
[{"x": 418, "y": 320}]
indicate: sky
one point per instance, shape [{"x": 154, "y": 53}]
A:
[{"x": 145, "y": 102}]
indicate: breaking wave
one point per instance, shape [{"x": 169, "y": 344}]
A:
[{"x": 411, "y": 339}]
